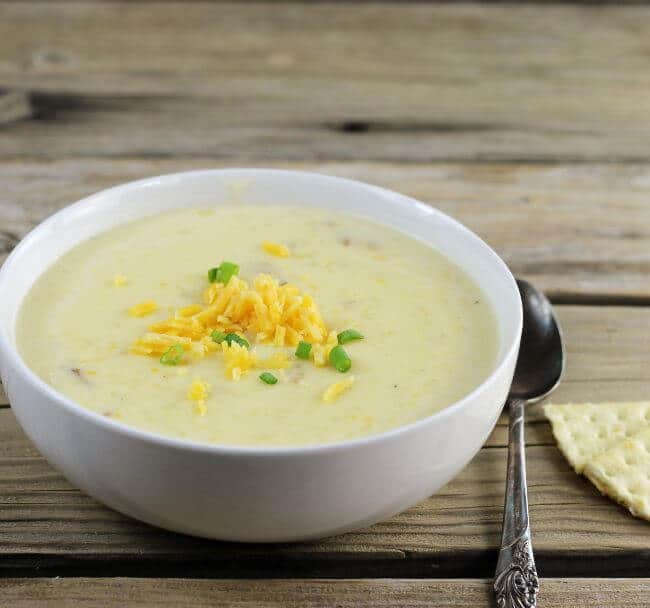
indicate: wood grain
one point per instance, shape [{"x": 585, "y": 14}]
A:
[
  {"x": 116, "y": 592},
  {"x": 391, "y": 81},
  {"x": 578, "y": 231}
]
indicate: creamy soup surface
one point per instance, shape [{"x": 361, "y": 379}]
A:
[{"x": 429, "y": 335}]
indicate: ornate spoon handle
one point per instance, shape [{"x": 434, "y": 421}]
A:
[{"x": 516, "y": 583}]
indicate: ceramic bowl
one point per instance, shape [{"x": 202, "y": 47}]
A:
[{"x": 249, "y": 493}]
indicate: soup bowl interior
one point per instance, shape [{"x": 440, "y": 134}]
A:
[{"x": 255, "y": 493}]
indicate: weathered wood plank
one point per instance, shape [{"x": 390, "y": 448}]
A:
[
  {"x": 389, "y": 81},
  {"x": 577, "y": 231},
  {"x": 447, "y": 593}
]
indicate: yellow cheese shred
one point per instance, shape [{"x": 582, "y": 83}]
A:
[
  {"x": 238, "y": 359},
  {"x": 119, "y": 280},
  {"x": 155, "y": 344},
  {"x": 334, "y": 391},
  {"x": 276, "y": 249},
  {"x": 320, "y": 352},
  {"x": 143, "y": 308},
  {"x": 198, "y": 392},
  {"x": 188, "y": 311}
]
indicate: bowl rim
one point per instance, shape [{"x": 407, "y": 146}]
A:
[{"x": 10, "y": 352}]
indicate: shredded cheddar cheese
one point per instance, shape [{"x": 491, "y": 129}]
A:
[
  {"x": 335, "y": 390},
  {"x": 155, "y": 344},
  {"x": 143, "y": 308},
  {"x": 188, "y": 311},
  {"x": 119, "y": 280},
  {"x": 276, "y": 249},
  {"x": 321, "y": 352},
  {"x": 274, "y": 314},
  {"x": 238, "y": 359},
  {"x": 198, "y": 392}
]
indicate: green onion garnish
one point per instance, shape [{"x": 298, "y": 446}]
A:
[
  {"x": 173, "y": 355},
  {"x": 303, "y": 350},
  {"x": 268, "y": 378},
  {"x": 218, "y": 336},
  {"x": 223, "y": 273},
  {"x": 349, "y": 335},
  {"x": 226, "y": 271},
  {"x": 230, "y": 338},
  {"x": 340, "y": 359}
]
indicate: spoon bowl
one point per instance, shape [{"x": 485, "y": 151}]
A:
[{"x": 541, "y": 360}]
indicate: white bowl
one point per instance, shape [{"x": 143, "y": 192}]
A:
[{"x": 245, "y": 493}]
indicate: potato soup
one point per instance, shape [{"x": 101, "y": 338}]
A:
[{"x": 258, "y": 326}]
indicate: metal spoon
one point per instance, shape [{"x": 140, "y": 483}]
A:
[{"x": 538, "y": 372}]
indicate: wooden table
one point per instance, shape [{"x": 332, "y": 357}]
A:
[{"x": 528, "y": 123}]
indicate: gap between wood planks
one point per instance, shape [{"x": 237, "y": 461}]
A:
[
  {"x": 597, "y": 299},
  {"x": 463, "y": 565}
]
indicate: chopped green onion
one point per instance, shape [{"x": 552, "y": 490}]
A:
[
  {"x": 340, "y": 359},
  {"x": 223, "y": 273},
  {"x": 173, "y": 355},
  {"x": 226, "y": 271},
  {"x": 218, "y": 336},
  {"x": 349, "y": 335},
  {"x": 230, "y": 338},
  {"x": 268, "y": 378},
  {"x": 303, "y": 350}
]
